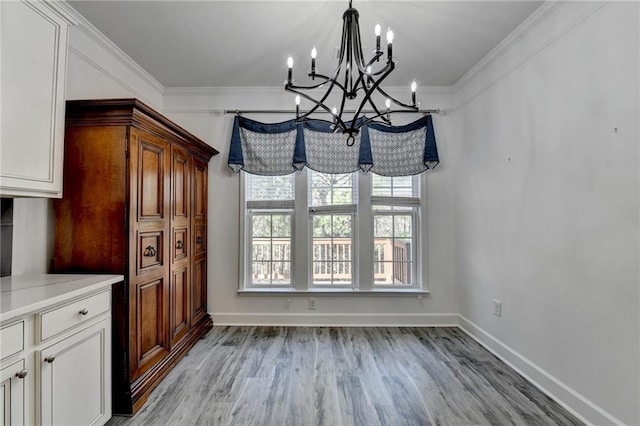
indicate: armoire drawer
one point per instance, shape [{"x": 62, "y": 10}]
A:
[{"x": 67, "y": 316}]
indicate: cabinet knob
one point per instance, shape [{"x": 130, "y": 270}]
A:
[
  {"x": 50, "y": 359},
  {"x": 84, "y": 311},
  {"x": 179, "y": 244},
  {"x": 21, "y": 374}
]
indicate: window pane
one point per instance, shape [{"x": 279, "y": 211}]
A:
[
  {"x": 269, "y": 187},
  {"x": 342, "y": 196},
  {"x": 329, "y": 189},
  {"x": 332, "y": 249},
  {"x": 402, "y": 273},
  {"x": 342, "y": 226},
  {"x": 321, "y": 225},
  {"x": 402, "y": 250},
  {"x": 383, "y": 274},
  {"x": 271, "y": 248},
  {"x": 402, "y": 226},
  {"x": 261, "y": 272},
  {"x": 261, "y": 225},
  {"x": 281, "y": 249},
  {"x": 381, "y": 185},
  {"x": 281, "y": 272},
  {"x": 401, "y": 186},
  {"x": 393, "y": 247},
  {"x": 261, "y": 249},
  {"x": 382, "y": 226},
  {"x": 281, "y": 225}
]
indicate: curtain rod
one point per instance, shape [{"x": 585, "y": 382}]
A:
[{"x": 293, "y": 111}]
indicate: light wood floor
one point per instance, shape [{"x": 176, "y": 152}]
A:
[{"x": 344, "y": 376}]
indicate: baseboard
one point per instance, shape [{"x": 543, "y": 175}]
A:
[
  {"x": 335, "y": 320},
  {"x": 571, "y": 400}
]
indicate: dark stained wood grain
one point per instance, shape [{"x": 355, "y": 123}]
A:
[
  {"x": 90, "y": 224},
  {"x": 127, "y": 208},
  {"x": 344, "y": 376}
]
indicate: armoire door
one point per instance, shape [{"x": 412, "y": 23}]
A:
[
  {"x": 150, "y": 164},
  {"x": 181, "y": 207},
  {"x": 199, "y": 289}
]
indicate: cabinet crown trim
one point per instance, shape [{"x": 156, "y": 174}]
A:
[{"x": 133, "y": 112}]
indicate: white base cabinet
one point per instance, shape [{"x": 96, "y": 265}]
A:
[
  {"x": 76, "y": 373},
  {"x": 12, "y": 393},
  {"x": 55, "y": 358}
]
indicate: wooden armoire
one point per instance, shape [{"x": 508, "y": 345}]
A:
[{"x": 135, "y": 203}]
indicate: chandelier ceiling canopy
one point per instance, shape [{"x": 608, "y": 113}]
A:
[{"x": 354, "y": 79}]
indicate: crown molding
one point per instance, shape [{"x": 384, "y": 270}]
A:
[
  {"x": 235, "y": 91},
  {"x": 62, "y": 9},
  {"x": 548, "y": 8},
  {"x": 103, "y": 41}
]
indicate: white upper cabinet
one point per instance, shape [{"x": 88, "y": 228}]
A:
[{"x": 34, "y": 43}]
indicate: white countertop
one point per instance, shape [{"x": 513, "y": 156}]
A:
[{"x": 23, "y": 294}]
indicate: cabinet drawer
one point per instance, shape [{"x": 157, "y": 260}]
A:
[
  {"x": 65, "y": 317},
  {"x": 12, "y": 338}
]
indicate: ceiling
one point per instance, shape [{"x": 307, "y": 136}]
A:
[{"x": 246, "y": 43}]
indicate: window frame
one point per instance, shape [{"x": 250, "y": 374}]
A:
[
  {"x": 250, "y": 213},
  {"x": 362, "y": 239},
  {"x": 347, "y": 209}
]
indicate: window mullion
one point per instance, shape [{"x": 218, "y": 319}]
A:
[
  {"x": 363, "y": 250},
  {"x": 300, "y": 251},
  {"x": 245, "y": 242},
  {"x": 421, "y": 233}
]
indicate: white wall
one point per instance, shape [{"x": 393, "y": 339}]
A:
[
  {"x": 96, "y": 69},
  {"x": 535, "y": 202},
  {"x": 199, "y": 111},
  {"x": 546, "y": 204}
]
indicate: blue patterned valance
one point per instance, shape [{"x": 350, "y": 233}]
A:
[{"x": 282, "y": 148}]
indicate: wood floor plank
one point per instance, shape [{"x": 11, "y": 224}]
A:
[{"x": 277, "y": 376}]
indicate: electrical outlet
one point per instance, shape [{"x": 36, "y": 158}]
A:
[
  {"x": 312, "y": 303},
  {"x": 497, "y": 308}
]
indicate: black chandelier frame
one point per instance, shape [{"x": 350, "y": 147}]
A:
[{"x": 367, "y": 81}]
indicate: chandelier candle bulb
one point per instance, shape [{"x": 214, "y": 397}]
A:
[
  {"x": 297, "y": 106},
  {"x": 377, "y": 31},
  {"x": 314, "y": 53},
  {"x": 389, "y": 44},
  {"x": 414, "y": 86},
  {"x": 290, "y": 66}
]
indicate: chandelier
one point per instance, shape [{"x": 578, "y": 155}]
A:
[{"x": 353, "y": 78}]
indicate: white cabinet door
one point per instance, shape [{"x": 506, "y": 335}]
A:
[
  {"x": 75, "y": 379},
  {"x": 12, "y": 397},
  {"x": 34, "y": 41}
]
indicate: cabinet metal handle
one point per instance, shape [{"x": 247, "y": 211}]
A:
[
  {"x": 50, "y": 359},
  {"x": 150, "y": 251},
  {"x": 179, "y": 244},
  {"x": 84, "y": 311},
  {"x": 198, "y": 240},
  {"x": 21, "y": 374}
]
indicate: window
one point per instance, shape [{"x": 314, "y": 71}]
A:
[
  {"x": 345, "y": 232},
  {"x": 332, "y": 207},
  {"x": 269, "y": 205},
  {"x": 395, "y": 203}
]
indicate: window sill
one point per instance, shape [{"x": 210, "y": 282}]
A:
[{"x": 290, "y": 291}]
